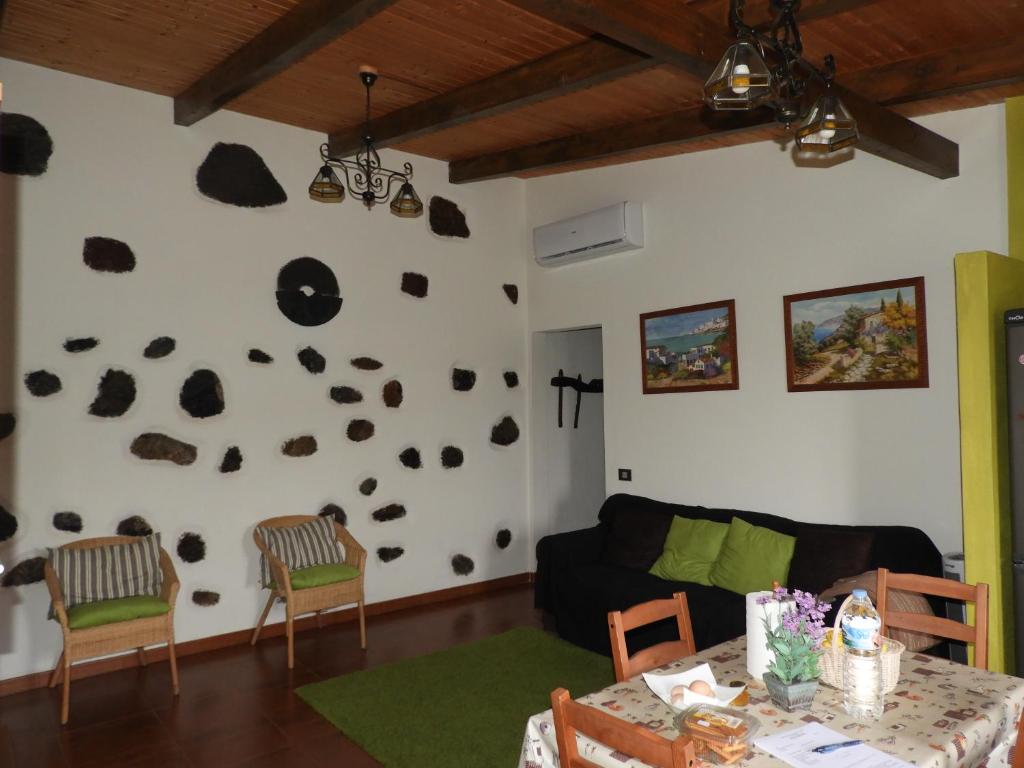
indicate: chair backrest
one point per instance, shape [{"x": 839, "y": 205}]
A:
[
  {"x": 285, "y": 521},
  {"x": 629, "y": 738},
  {"x": 620, "y": 622},
  {"x": 935, "y": 625}
]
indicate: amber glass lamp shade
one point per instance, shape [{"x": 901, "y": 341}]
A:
[
  {"x": 828, "y": 127},
  {"x": 326, "y": 187},
  {"x": 741, "y": 80},
  {"x": 407, "y": 204}
]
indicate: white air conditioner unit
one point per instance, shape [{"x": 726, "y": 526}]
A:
[{"x": 614, "y": 229}]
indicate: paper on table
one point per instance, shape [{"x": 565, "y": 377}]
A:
[{"x": 794, "y": 747}]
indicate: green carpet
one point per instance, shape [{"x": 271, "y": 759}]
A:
[{"x": 459, "y": 708}]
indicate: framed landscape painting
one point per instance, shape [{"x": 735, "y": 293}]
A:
[
  {"x": 690, "y": 349},
  {"x": 870, "y": 336}
]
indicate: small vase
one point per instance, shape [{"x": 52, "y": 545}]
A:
[{"x": 797, "y": 695}]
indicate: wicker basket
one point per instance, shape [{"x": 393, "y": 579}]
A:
[{"x": 832, "y": 661}]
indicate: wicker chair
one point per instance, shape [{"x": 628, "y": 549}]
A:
[
  {"x": 87, "y": 643},
  {"x": 314, "y": 599}
]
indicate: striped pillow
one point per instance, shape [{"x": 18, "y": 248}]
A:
[
  {"x": 301, "y": 546},
  {"x": 108, "y": 573}
]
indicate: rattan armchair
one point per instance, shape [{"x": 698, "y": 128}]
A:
[
  {"x": 80, "y": 644},
  {"x": 314, "y": 599}
]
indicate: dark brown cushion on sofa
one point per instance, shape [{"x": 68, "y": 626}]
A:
[
  {"x": 636, "y": 537},
  {"x": 825, "y": 555}
]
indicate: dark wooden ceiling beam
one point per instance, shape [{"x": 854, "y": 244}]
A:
[
  {"x": 582, "y": 66},
  {"x": 302, "y": 30}
]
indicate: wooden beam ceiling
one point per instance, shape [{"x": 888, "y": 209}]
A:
[{"x": 305, "y": 28}]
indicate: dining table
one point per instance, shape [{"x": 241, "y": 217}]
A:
[{"x": 941, "y": 714}]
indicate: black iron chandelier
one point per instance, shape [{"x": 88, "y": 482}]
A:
[
  {"x": 365, "y": 177},
  {"x": 765, "y": 68}
]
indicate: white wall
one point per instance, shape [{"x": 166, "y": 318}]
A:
[
  {"x": 567, "y": 463},
  {"x": 206, "y": 276},
  {"x": 745, "y": 223}
]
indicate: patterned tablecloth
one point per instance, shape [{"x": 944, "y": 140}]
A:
[{"x": 941, "y": 714}]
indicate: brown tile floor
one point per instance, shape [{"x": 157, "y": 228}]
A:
[{"x": 237, "y": 706}]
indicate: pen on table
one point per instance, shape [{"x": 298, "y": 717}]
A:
[{"x": 825, "y": 749}]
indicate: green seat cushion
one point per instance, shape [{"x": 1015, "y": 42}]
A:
[
  {"x": 85, "y": 615},
  {"x": 319, "y": 575},
  {"x": 691, "y": 548},
  {"x": 752, "y": 558}
]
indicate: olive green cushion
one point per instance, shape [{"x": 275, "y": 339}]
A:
[
  {"x": 691, "y": 548},
  {"x": 318, "y": 575},
  {"x": 752, "y": 558},
  {"x": 85, "y": 615}
]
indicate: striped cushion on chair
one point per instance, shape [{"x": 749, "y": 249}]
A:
[
  {"x": 108, "y": 573},
  {"x": 301, "y": 546}
]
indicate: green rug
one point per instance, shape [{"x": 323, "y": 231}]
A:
[{"x": 459, "y": 708}]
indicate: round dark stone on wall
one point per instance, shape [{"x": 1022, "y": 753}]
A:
[
  {"x": 511, "y": 379},
  {"x": 114, "y": 395},
  {"x": 447, "y": 219},
  {"x": 391, "y": 393},
  {"x": 410, "y": 458},
  {"x": 202, "y": 394},
  {"x": 388, "y": 513},
  {"x": 504, "y": 538},
  {"x": 312, "y": 360},
  {"x": 205, "y": 598},
  {"x": 159, "y": 347},
  {"x": 346, "y": 395},
  {"x": 451, "y": 457},
  {"x": 235, "y": 174},
  {"x": 82, "y": 344},
  {"x": 415, "y": 284},
  {"x": 366, "y": 363},
  {"x": 156, "y": 446},
  {"x": 505, "y": 432},
  {"x": 387, "y": 554},
  {"x": 368, "y": 486},
  {"x": 335, "y": 512},
  {"x": 298, "y": 447},
  {"x": 462, "y": 565},
  {"x": 136, "y": 525},
  {"x": 259, "y": 356},
  {"x": 191, "y": 547},
  {"x": 360, "y": 430},
  {"x": 7, "y": 423},
  {"x": 308, "y": 292},
  {"x": 68, "y": 521},
  {"x": 42, "y": 383},
  {"x": 232, "y": 461},
  {"x": 26, "y": 572},
  {"x": 463, "y": 379},
  {"x": 25, "y": 145},
  {"x": 8, "y": 524},
  {"x": 512, "y": 292},
  {"x": 105, "y": 254}
]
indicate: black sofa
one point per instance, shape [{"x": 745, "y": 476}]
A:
[{"x": 581, "y": 575}]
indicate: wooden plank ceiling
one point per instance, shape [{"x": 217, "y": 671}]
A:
[{"x": 551, "y": 97}]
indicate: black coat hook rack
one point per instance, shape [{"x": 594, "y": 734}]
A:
[{"x": 594, "y": 386}]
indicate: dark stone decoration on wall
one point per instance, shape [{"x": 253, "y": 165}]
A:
[
  {"x": 232, "y": 461},
  {"x": 463, "y": 379},
  {"x": 387, "y": 554},
  {"x": 156, "y": 446},
  {"x": 135, "y": 525},
  {"x": 312, "y": 360},
  {"x": 388, "y": 513},
  {"x": 205, "y": 598},
  {"x": 414, "y": 284},
  {"x": 25, "y": 145},
  {"x": 297, "y": 447},
  {"x": 82, "y": 344},
  {"x": 451, "y": 457},
  {"x": 512, "y": 291},
  {"x": 191, "y": 547},
  {"x": 446, "y": 219},
  {"x": 202, "y": 394},
  {"x": 308, "y": 292},
  {"x": 259, "y": 356},
  {"x": 368, "y": 486},
  {"x": 26, "y": 572},
  {"x": 8, "y": 524},
  {"x": 360, "y": 430},
  {"x": 366, "y": 363},
  {"x": 462, "y": 565},
  {"x": 114, "y": 395},
  {"x": 511, "y": 379},
  {"x": 7, "y": 423},
  {"x": 105, "y": 254},
  {"x": 42, "y": 383},
  {"x": 503, "y": 539},
  {"x": 68, "y": 521},
  {"x": 335, "y": 512},
  {"x": 505, "y": 432},
  {"x": 235, "y": 174},
  {"x": 159, "y": 347},
  {"x": 391, "y": 393},
  {"x": 410, "y": 458},
  {"x": 346, "y": 395}
]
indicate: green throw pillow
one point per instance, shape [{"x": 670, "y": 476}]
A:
[
  {"x": 85, "y": 615},
  {"x": 691, "y": 548},
  {"x": 752, "y": 558}
]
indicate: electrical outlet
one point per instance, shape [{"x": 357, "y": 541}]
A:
[{"x": 625, "y": 475}]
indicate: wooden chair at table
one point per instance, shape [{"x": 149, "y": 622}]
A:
[
  {"x": 105, "y": 639},
  {"x": 935, "y": 625},
  {"x": 629, "y": 738},
  {"x": 620, "y": 622},
  {"x": 313, "y": 599}
]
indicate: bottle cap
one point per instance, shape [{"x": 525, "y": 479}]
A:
[{"x": 860, "y": 594}]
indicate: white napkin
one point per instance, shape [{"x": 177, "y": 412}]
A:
[{"x": 662, "y": 685}]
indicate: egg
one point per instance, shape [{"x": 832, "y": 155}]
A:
[{"x": 701, "y": 688}]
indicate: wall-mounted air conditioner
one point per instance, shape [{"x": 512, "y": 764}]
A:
[{"x": 614, "y": 229}]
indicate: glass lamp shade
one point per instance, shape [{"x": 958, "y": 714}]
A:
[
  {"x": 828, "y": 127},
  {"x": 326, "y": 187},
  {"x": 741, "y": 80},
  {"x": 407, "y": 203}
]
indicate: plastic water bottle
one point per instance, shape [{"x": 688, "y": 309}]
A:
[{"x": 862, "y": 678}]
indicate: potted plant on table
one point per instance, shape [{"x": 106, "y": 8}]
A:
[{"x": 795, "y": 639}]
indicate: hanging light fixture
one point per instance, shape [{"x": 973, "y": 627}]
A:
[
  {"x": 744, "y": 79},
  {"x": 365, "y": 177}
]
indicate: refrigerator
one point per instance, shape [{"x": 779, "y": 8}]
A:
[{"x": 1014, "y": 319}]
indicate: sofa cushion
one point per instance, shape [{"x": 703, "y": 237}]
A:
[
  {"x": 101, "y": 612},
  {"x": 752, "y": 558},
  {"x": 319, "y": 575},
  {"x": 108, "y": 573},
  {"x": 824, "y": 555},
  {"x": 636, "y": 536},
  {"x": 691, "y": 548},
  {"x": 301, "y": 546}
]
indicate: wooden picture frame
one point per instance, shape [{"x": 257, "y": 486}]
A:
[
  {"x": 870, "y": 336},
  {"x": 698, "y": 349}
]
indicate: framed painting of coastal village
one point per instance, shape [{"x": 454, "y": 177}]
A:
[
  {"x": 870, "y": 336},
  {"x": 690, "y": 349}
]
